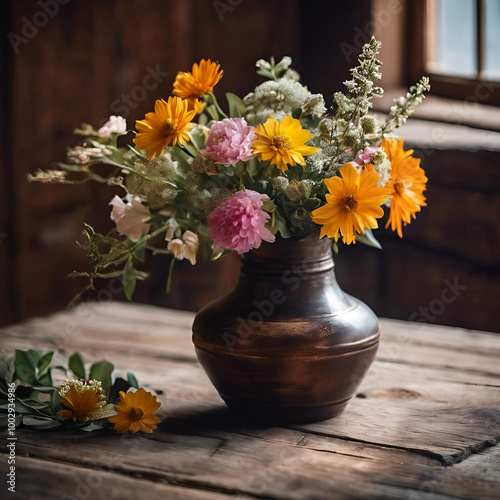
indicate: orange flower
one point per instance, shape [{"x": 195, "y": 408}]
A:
[
  {"x": 354, "y": 203},
  {"x": 135, "y": 412},
  {"x": 406, "y": 185},
  {"x": 200, "y": 81},
  {"x": 167, "y": 126},
  {"x": 83, "y": 400}
]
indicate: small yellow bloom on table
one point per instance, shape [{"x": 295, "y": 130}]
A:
[
  {"x": 135, "y": 412},
  {"x": 82, "y": 400}
]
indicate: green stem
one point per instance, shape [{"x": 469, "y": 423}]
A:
[
  {"x": 170, "y": 273},
  {"x": 217, "y": 107}
]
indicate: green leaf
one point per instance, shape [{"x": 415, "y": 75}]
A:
[
  {"x": 76, "y": 365},
  {"x": 55, "y": 399},
  {"x": 45, "y": 379},
  {"x": 192, "y": 150},
  {"x": 368, "y": 239},
  {"x": 197, "y": 138},
  {"x": 102, "y": 371},
  {"x": 281, "y": 223},
  {"x": 142, "y": 157},
  {"x": 217, "y": 254},
  {"x": 237, "y": 107},
  {"x": 44, "y": 361},
  {"x": 93, "y": 426},
  {"x": 211, "y": 110},
  {"x": 269, "y": 206},
  {"x": 140, "y": 252},
  {"x": 132, "y": 380},
  {"x": 266, "y": 74},
  {"x": 25, "y": 365},
  {"x": 40, "y": 422},
  {"x": 119, "y": 385},
  {"x": 129, "y": 279}
]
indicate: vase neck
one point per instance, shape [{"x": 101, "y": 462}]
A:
[{"x": 312, "y": 255}]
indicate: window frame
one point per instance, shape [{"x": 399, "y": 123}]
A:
[{"x": 473, "y": 89}]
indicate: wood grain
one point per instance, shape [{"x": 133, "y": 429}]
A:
[{"x": 425, "y": 422}]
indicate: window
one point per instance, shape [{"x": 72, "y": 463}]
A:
[{"x": 457, "y": 43}]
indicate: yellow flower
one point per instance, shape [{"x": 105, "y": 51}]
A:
[
  {"x": 354, "y": 203},
  {"x": 282, "y": 143},
  {"x": 407, "y": 184},
  {"x": 83, "y": 400},
  {"x": 135, "y": 412},
  {"x": 200, "y": 81},
  {"x": 167, "y": 126}
]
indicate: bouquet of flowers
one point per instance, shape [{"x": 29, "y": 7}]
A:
[{"x": 276, "y": 163}]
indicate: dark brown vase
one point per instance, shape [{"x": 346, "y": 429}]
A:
[{"x": 287, "y": 345}]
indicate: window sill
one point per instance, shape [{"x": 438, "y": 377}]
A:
[{"x": 441, "y": 123}]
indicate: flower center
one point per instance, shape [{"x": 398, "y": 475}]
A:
[
  {"x": 135, "y": 414},
  {"x": 401, "y": 185},
  {"x": 281, "y": 142},
  {"x": 169, "y": 127},
  {"x": 349, "y": 204}
]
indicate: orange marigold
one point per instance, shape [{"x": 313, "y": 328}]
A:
[{"x": 406, "y": 185}]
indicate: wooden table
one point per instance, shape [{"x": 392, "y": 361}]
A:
[{"x": 424, "y": 424}]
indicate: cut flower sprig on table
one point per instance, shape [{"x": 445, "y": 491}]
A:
[
  {"x": 89, "y": 399},
  {"x": 275, "y": 164}
]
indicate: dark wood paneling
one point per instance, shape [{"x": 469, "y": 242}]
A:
[{"x": 91, "y": 55}]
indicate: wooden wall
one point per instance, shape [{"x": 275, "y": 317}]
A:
[{"x": 81, "y": 66}]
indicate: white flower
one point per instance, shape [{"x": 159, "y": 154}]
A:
[
  {"x": 170, "y": 233},
  {"x": 185, "y": 248},
  {"x": 115, "y": 124},
  {"x": 177, "y": 247},
  {"x": 130, "y": 218},
  {"x": 191, "y": 240}
]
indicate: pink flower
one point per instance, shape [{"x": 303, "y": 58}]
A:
[
  {"x": 130, "y": 218},
  {"x": 365, "y": 156},
  {"x": 239, "y": 223},
  {"x": 229, "y": 141}
]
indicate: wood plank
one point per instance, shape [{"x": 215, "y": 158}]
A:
[
  {"x": 70, "y": 482},
  {"x": 235, "y": 464}
]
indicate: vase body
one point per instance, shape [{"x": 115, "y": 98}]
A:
[{"x": 287, "y": 345}]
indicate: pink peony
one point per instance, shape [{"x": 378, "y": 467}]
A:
[
  {"x": 229, "y": 141},
  {"x": 130, "y": 218},
  {"x": 239, "y": 222},
  {"x": 365, "y": 156}
]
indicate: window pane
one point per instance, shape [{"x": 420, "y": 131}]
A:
[
  {"x": 454, "y": 38},
  {"x": 492, "y": 41}
]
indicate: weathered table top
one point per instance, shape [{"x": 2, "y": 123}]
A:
[{"x": 425, "y": 422}]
